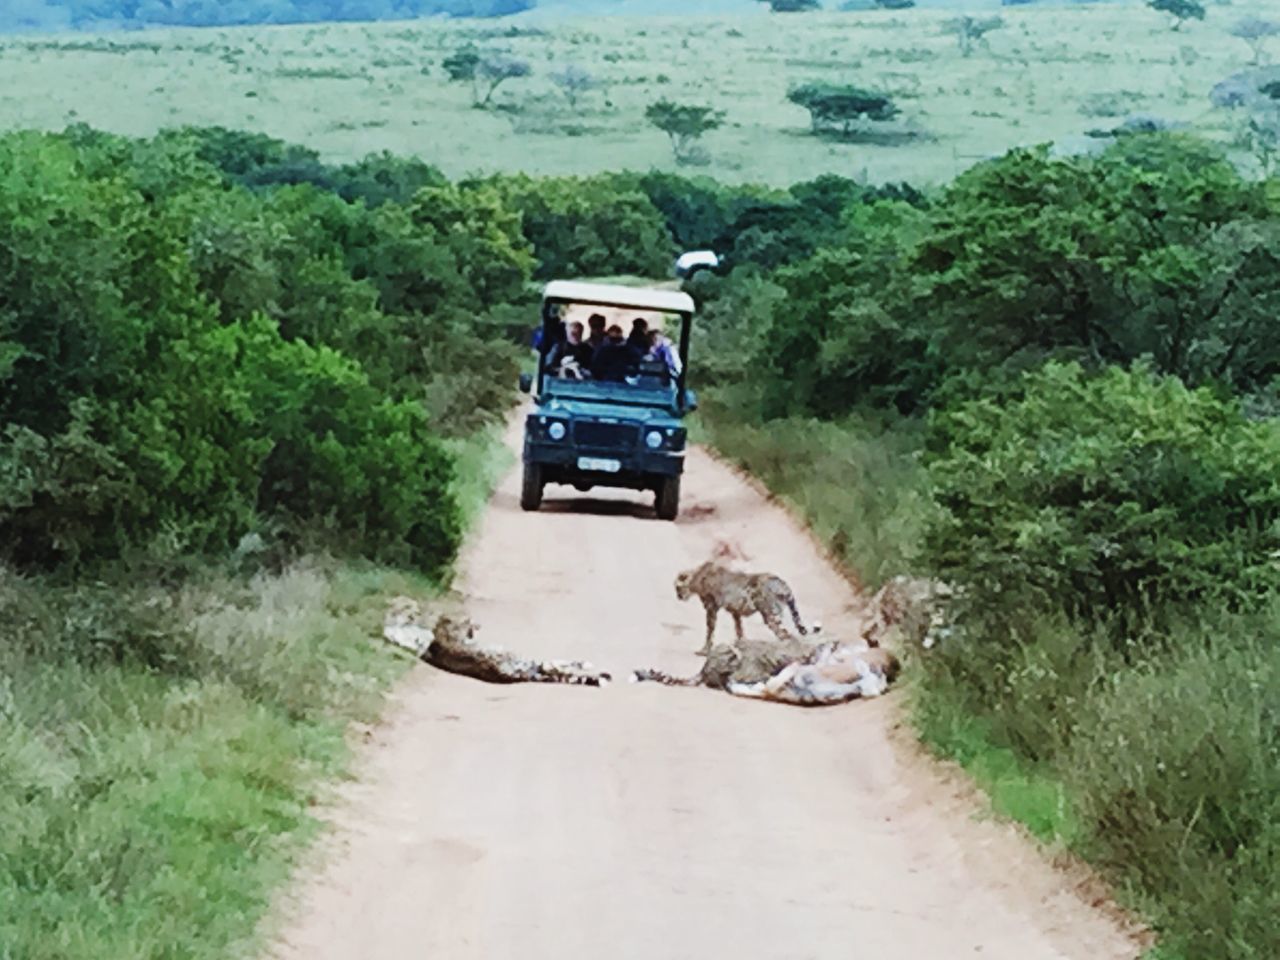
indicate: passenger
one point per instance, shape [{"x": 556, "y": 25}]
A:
[
  {"x": 615, "y": 359},
  {"x": 571, "y": 357},
  {"x": 660, "y": 349},
  {"x": 596, "y": 338},
  {"x": 638, "y": 339}
]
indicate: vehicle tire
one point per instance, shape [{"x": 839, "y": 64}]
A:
[
  {"x": 531, "y": 488},
  {"x": 667, "y": 502}
]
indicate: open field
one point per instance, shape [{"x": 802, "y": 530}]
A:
[{"x": 349, "y": 89}]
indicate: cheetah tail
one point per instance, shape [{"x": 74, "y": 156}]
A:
[
  {"x": 795, "y": 615},
  {"x": 657, "y": 676}
]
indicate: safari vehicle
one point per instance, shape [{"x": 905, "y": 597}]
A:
[{"x": 626, "y": 432}]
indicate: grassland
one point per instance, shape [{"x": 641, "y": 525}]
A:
[{"x": 1050, "y": 75}]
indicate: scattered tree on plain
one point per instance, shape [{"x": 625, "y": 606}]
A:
[
  {"x": 1255, "y": 32},
  {"x": 685, "y": 124},
  {"x": 792, "y": 6},
  {"x": 970, "y": 30},
  {"x": 573, "y": 82},
  {"x": 895, "y": 4},
  {"x": 1180, "y": 10},
  {"x": 495, "y": 70},
  {"x": 842, "y": 110}
]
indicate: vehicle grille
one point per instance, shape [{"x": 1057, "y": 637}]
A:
[{"x": 614, "y": 436}]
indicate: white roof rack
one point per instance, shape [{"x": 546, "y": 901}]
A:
[{"x": 613, "y": 295}]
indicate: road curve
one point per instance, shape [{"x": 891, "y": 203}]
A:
[{"x": 639, "y": 822}]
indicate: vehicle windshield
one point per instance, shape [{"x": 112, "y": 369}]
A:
[{"x": 614, "y": 346}]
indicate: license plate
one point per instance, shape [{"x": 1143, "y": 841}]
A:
[{"x": 603, "y": 466}]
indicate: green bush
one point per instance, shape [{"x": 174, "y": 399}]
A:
[
  {"x": 588, "y": 226},
  {"x": 344, "y": 453},
  {"x": 168, "y": 362},
  {"x": 1106, "y": 495}
]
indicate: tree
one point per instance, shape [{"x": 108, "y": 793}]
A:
[
  {"x": 792, "y": 6},
  {"x": 1255, "y": 32},
  {"x": 573, "y": 82},
  {"x": 970, "y": 30},
  {"x": 496, "y": 69},
  {"x": 895, "y": 4},
  {"x": 685, "y": 124},
  {"x": 838, "y": 109},
  {"x": 1180, "y": 10}
]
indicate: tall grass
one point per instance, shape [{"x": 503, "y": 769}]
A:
[
  {"x": 858, "y": 484},
  {"x": 161, "y": 745}
]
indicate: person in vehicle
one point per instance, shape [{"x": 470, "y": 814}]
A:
[
  {"x": 615, "y": 359},
  {"x": 572, "y": 356},
  {"x": 638, "y": 338},
  {"x": 660, "y": 349},
  {"x": 596, "y": 338}
]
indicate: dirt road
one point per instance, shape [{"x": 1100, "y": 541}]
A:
[{"x": 636, "y": 821}]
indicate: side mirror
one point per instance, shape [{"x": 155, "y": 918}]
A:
[
  {"x": 690, "y": 263},
  {"x": 526, "y": 382},
  {"x": 690, "y": 400}
]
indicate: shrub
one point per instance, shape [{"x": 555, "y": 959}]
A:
[
  {"x": 342, "y": 453},
  {"x": 1105, "y": 495}
]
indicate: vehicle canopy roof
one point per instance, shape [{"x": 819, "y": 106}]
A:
[{"x": 615, "y": 295}]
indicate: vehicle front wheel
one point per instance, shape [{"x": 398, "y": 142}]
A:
[
  {"x": 667, "y": 502},
  {"x": 531, "y": 488}
]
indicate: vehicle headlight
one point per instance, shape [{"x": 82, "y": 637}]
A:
[
  {"x": 556, "y": 430},
  {"x": 653, "y": 439}
]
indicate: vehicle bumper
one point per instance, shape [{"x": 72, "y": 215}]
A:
[{"x": 559, "y": 464}]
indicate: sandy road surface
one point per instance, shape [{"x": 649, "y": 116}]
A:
[{"x": 638, "y": 821}]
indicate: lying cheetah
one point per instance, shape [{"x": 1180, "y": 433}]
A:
[
  {"x": 747, "y": 662},
  {"x": 911, "y": 610},
  {"x": 450, "y": 646},
  {"x": 831, "y": 673},
  {"x": 742, "y": 594}
]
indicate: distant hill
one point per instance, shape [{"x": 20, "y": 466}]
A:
[
  {"x": 20, "y": 16},
  {"x": 28, "y": 16}
]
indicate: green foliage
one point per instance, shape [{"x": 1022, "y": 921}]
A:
[
  {"x": 1156, "y": 249},
  {"x": 215, "y": 356},
  {"x": 841, "y": 110},
  {"x": 685, "y": 124},
  {"x": 588, "y": 226},
  {"x": 1108, "y": 496}
]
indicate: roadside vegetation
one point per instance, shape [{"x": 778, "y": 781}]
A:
[
  {"x": 240, "y": 412},
  {"x": 1054, "y": 385}
]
